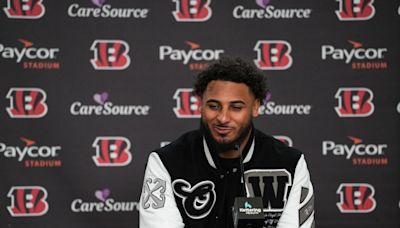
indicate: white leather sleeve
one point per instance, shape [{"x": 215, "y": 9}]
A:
[
  {"x": 157, "y": 203},
  {"x": 299, "y": 209}
]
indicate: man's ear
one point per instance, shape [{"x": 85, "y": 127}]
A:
[
  {"x": 256, "y": 106},
  {"x": 200, "y": 103}
]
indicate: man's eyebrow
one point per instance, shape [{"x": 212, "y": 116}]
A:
[
  {"x": 238, "y": 102},
  {"x": 232, "y": 102},
  {"x": 212, "y": 100}
]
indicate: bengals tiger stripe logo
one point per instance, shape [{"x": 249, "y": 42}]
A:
[
  {"x": 112, "y": 151},
  {"x": 192, "y": 10},
  {"x": 110, "y": 55},
  {"x": 187, "y": 104},
  {"x": 356, "y": 198},
  {"x": 354, "y": 102},
  {"x": 24, "y": 9},
  {"x": 355, "y": 10},
  {"x": 285, "y": 139},
  {"x": 27, "y": 103},
  {"x": 28, "y": 201},
  {"x": 273, "y": 55}
]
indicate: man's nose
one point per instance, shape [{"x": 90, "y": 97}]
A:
[{"x": 223, "y": 116}]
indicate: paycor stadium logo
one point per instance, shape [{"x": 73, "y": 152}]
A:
[
  {"x": 267, "y": 11},
  {"x": 25, "y": 9},
  {"x": 196, "y": 58},
  {"x": 358, "y": 152},
  {"x": 31, "y": 154},
  {"x": 358, "y": 57},
  {"x": 31, "y": 57}
]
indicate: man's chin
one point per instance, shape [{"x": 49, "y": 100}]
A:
[
  {"x": 222, "y": 139},
  {"x": 224, "y": 144},
  {"x": 221, "y": 143}
]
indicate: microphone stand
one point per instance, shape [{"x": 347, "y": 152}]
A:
[
  {"x": 237, "y": 147},
  {"x": 247, "y": 211}
]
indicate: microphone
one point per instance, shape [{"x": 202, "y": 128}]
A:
[{"x": 247, "y": 211}]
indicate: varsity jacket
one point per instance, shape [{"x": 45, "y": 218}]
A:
[{"x": 187, "y": 185}]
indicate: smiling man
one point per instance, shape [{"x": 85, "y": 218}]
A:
[{"x": 193, "y": 181}]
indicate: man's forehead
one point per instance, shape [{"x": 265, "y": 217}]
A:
[
  {"x": 222, "y": 84},
  {"x": 227, "y": 90}
]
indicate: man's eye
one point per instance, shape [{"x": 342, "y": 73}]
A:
[
  {"x": 212, "y": 106},
  {"x": 237, "y": 108}
]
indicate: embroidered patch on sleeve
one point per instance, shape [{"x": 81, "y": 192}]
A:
[{"x": 154, "y": 193}]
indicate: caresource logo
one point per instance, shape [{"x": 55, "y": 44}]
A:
[
  {"x": 27, "y": 103},
  {"x": 273, "y": 55},
  {"x": 187, "y": 104},
  {"x": 355, "y": 10},
  {"x": 101, "y": 10},
  {"x": 104, "y": 107},
  {"x": 110, "y": 55},
  {"x": 285, "y": 139},
  {"x": 272, "y": 108},
  {"x": 192, "y": 10},
  {"x": 112, "y": 151},
  {"x": 361, "y": 58},
  {"x": 24, "y": 9},
  {"x": 104, "y": 204},
  {"x": 194, "y": 57},
  {"x": 32, "y": 155},
  {"x": 268, "y": 11},
  {"x": 360, "y": 153},
  {"x": 31, "y": 57},
  {"x": 356, "y": 198},
  {"x": 354, "y": 102},
  {"x": 27, "y": 201}
]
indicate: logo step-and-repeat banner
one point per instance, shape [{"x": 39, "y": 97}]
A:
[{"x": 89, "y": 88}]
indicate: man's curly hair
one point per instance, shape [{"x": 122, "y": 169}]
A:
[{"x": 233, "y": 70}]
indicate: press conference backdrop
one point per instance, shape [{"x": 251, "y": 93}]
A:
[{"x": 89, "y": 88}]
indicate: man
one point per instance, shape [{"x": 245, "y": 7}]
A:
[{"x": 193, "y": 181}]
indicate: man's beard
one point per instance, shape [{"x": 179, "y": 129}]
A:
[{"x": 222, "y": 147}]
